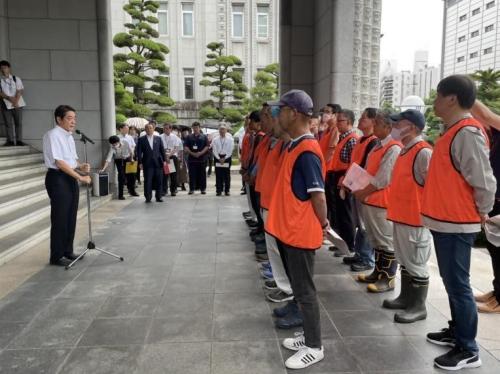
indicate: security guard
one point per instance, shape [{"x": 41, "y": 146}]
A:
[{"x": 61, "y": 182}]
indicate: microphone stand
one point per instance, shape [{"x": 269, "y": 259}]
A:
[{"x": 90, "y": 244}]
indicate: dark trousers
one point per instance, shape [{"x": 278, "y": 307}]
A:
[
  {"x": 13, "y": 122},
  {"x": 453, "y": 256},
  {"x": 153, "y": 180},
  {"x": 223, "y": 177},
  {"x": 64, "y": 193},
  {"x": 495, "y": 256},
  {"x": 330, "y": 188},
  {"x": 300, "y": 264},
  {"x": 197, "y": 176},
  {"x": 171, "y": 179},
  {"x": 123, "y": 178},
  {"x": 343, "y": 214},
  {"x": 255, "y": 200}
]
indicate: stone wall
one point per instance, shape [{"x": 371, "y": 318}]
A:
[{"x": 61, "y": 50}]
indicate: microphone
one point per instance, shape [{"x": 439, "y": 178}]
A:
[{"x": 84, "y": 138}]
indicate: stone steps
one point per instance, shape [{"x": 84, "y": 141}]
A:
[{"x": 24, "y": 203}]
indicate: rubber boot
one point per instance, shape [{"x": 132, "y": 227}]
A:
[
  {"x": 373, "y": 276},
  {"x": 387, "y": 276},
  {"x": 416, "y": 309},
  {"x": 400, "y": 302}
]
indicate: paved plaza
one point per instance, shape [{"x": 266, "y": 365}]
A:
[{"x": 188, "y": 299}]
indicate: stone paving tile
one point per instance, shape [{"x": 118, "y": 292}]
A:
[
  {"x": 9, "y": 330},
  {"x": 32, "y": 361},
  {"x": 129, "y": 307},
  {"x": 119, "y": 331}
]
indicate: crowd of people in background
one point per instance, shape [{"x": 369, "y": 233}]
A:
[{"x": 388, "y": 193}]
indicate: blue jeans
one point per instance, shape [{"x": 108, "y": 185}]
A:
[
  {"x": 453, "y": 253},
  {"x": 362, "y": 248}
]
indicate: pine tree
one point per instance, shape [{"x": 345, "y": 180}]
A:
[
  {"x": 488, "y": 91},
  {"x": 228, "y": 87},
  {"x": 139, "y": 85},
  {"x": 432, "y": 121},
  {"x": 266, "y": 87}
]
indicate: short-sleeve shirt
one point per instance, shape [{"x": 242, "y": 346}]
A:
[
  {"x": 59, "y": 144},
  {"x": 9, "y": 86},
  {"x": 307, "y": 174},
  {"x": 196, "y": 144}
]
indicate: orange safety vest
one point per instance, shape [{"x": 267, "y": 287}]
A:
[
  {"x": 447, "y": 196},
  {"x": 261, "y": 154},
  {"x": 359, "y": 151},
  {"x": 245, "y": 149},
  {"x": 337, "y": 164},
  {"x": 270, "y": 170},
  {"x": 290, "y": 220},
  {"x": 378, "y": 198},
  {"x": 324, "y": 142},
  {"x": 405, "y": 194}
]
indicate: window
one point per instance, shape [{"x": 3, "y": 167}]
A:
[
  {"x": 461, "y": 59},
  {"x": 488, "y": 28},
  {"x": 189, "y": 84},
  {"x": 263, "y": 21},
  {"x": 237, "y": 23},
  {"x": 490, "y": 5},
  {"x": 474, "y": 34},
  {"x": 461, "y": 39},
  {"x": 473, "y": 55},
  {"x": 476, "y": 11},
  {"x": 187, "y": 19},
  {"x": 163, "y": 18},
  {"x": 488, "y": 51},
  {"x": 462, "y": 18}
]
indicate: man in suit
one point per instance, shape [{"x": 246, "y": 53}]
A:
[{"x": 151, "y": 156}]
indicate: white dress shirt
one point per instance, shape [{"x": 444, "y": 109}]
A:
[
  {"x": 10, "y": 87},
  {"x": 129, "y": 139},
  {"x": 120, "y": 153},
  {"x": 223, "y": 146},
  {"x": 151, "y": 140},
  {"x": 59, "y": 144},
  {"x": 172, "y": 143}
]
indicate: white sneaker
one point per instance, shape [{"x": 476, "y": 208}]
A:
[
  {"x": 294, "y": 344},
  {"x": 305, "y": 357}
]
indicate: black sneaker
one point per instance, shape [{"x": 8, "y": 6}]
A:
[
  {"x": 458, "y": 358},
  {"x": 444, "y": 337},
  {"x": 270, "y": 285},
  {"x": 279, "y": 296}
]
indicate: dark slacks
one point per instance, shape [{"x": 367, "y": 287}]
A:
[
  {"x": 330, "y": 187},
  {"x": 64, "y": 193},
  {"x": 301, "y": 271},
  {"x": 255, "y": 200},
  {"x": 223, "y": 177},
  {"x": 170, "y": 180},
  {"x": 13, "y": 122},
  {"x": 120, "y": 167},
  {"x": 153, "y": 179},
  {"x": 197, "y": 176},
  {"x": 495, "y": 256},
  {"x": 343, "y": 214}
]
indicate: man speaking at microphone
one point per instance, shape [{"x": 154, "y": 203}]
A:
[{"x": 61, "y": 182}]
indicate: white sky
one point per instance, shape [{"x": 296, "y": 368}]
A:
[{"x": 410, "y": 25}]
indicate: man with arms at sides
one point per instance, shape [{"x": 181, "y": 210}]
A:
[
  {"x": 151, "y": 156},
  {"x": 297, "y": 219}
]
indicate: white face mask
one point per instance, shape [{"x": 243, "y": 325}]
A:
[
  {"x": 326, "y": 117},
  {"x": 399, "y": 134}
]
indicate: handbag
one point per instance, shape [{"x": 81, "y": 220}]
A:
[
  {"x": 169, "y": 167},
  {"x": 131, "y": 167}
]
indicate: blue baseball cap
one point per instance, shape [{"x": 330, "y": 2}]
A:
[
  {"x": 412, "y": 115},
  {"x": 296, "y": 99}
]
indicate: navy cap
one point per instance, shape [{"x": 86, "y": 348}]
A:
[
  {"x": 412, "y": 115},
  {"x": 296, "y": 99}
]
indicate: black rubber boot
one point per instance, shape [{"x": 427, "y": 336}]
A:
[
  {"x": 387, "y": 276},
  {"x": 416, "y": 309},
  {"x": 373, "y": 276},
  {"x": 400, "y": 302}
]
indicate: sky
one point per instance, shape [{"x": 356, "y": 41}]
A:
[{"x": 410, "y": 25}]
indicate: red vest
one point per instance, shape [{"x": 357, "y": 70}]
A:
[
  {"x": 378, "y": 198},
  {"x": 290, "y": 220},
  {"x": 337, "y": 164},
  {"x": 405, "y": 194},
  {"x": 447, "y": 196}
]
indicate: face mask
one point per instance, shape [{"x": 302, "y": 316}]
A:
[
  {"x": 326, "y": 117},
  {"x": 398, "y": 134},
  {"x": 275, "y": 111}
]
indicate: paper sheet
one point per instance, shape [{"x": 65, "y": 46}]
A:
[
  {"x": 337, "y": 241},
  {"x": 357, "y": 178},
  {"x": 224, "y": 165}
]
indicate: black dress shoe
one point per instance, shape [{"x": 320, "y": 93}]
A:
[
  {"x": 190, "y": 192},
  {"x": 148, "y": 201},
  {"x": 21, "y": 144},
  {"x": 227, "y": 194},
  {"x": 159, "y": 200},
  {"x": 72, "y": 256},
  {"x": 133, "y": 193},
  {"x": 8, "y": 144},
  {"x": 173, "y": 194},
  {"x": 203, "y": 192},
  {"x": 121, "y": 198},
  {"x": 61, "y": 262},
  {"x": 218, "y": 194}
]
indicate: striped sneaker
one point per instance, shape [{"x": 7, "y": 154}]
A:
[
  {"x": 305, "y": 357},
  {"x": 294, "y": 344}
]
